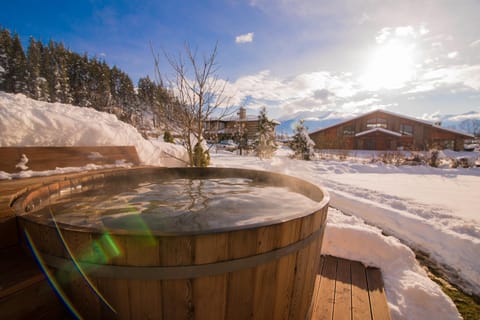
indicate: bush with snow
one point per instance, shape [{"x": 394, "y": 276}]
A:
[
  {"x": 265, "y": 145},
  {"x": 301, "y": 143}
]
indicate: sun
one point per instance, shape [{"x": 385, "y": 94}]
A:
[{"x": 390, "y": 66}]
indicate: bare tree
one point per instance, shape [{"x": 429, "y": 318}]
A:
[{"x": 199, "y": 95}]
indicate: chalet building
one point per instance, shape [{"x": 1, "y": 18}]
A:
[
  {"x": 384, "y": 130},
  {"x": 229, "y": 128}
]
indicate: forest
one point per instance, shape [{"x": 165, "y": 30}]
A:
[{"x": 53, "y": 73}]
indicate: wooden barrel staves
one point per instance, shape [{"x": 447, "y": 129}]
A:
[{"x": 262, "y": 271}]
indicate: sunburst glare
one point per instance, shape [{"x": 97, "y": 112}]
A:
[{"x": 391, "y": 66}]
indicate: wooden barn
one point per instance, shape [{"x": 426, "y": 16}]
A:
[{"x": 384, "y": 130}]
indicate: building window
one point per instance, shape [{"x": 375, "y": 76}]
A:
[
  {"x": 406, "y": 129},
  {"x": 376, "y": 123},
  {"x": 348, "y": 130}
]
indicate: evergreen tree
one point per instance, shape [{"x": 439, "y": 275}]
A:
[
  {"x": 146, "y": 91},
  {"x": 167, "y": 137},
  {"x": 33, "y": 66},
  {"x": 47, "y": 77},
  {"x": 302, "y": 145},
  {"x": 79, "y": 80},
  {"x": 265, "y": 144},
  {"x": 6, "y": 45},
  {"x": 18, "y": 71},
  {"x": 201, "y": 158},
  {"x": 62, "y": 85},
  {"x": 99, "y": 85}
]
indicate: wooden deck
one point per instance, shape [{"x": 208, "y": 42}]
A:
[{"x": 346, "y": 289}]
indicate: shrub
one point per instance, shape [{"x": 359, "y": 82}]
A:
[
  {"x": 301, "y": 144},
  {"x": 201, "y": 158},
  {"x": 433, "y": 158},
  {"x": 167, "y": 137}
]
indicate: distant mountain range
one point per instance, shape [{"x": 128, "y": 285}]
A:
[{"x": 468, "y": 122}]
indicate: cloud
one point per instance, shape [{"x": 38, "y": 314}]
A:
[
  {"x": 452, "y": 54},
  {"x": 475, "y": 43},
  {"x": 456, "y": 78},
  {"x": 408, "y": 31},
  {"x": 244, "y": 38}
]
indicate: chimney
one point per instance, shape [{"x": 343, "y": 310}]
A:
[{"x": 242, "y": 113}]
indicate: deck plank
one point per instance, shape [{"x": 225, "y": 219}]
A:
[
  {"x": 343, "y": 291},
  {"x": 326, "y": 291},
  {"x": 346, "y": 289},
  {"x": 378, "y": 300},
  {"x": 360, "y": 299}
]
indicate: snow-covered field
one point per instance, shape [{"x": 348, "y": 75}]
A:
[{"x": 435, "y": 210}]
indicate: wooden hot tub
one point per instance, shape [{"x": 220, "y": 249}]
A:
[{"x": 257, "y": 268}]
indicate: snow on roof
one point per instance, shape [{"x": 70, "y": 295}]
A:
[
  {"x": 395, "y": 115},
  {"x": 393, "y": 133}
]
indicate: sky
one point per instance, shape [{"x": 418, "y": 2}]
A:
[{"x": 308, "y": 59}]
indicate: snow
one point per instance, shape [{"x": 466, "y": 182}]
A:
[
  {"x": 435, "y": 210},
  {"x": 393, "y": 133},
  {"x": 410, "y": 293},
  {"x": 22, "y": 164},
  {"x": 431, "y": 209},
  {"x": 27, "y": 122}
]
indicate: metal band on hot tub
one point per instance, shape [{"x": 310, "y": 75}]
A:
[{"x": 184, "y": 272}]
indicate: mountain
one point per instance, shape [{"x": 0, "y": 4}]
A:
[
  {"x": 312, "y": 120},
  {"x": 468, "y": 122}
]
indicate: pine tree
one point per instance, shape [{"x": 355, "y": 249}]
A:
[
  {"x": 78, "y": 76},
  {"x": 33, "y": 67},
  {"x": 6, "y": 45},
  {"x": 302, "y": 145},
  {"x": 62, "y": 85},
  {"x": 146, "y": 91},
  {"x": 18, "y": 70},
  {"x": 99, "y": 85},
  {"x": 265, "y": 144}
]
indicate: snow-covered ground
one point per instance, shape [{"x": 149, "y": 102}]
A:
[{"x": 431, "y": 209}]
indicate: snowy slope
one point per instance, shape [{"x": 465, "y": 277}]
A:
[{"x": 27, "y": 122}]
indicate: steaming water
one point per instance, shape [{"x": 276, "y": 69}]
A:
[{"x": 179, "y": 205}]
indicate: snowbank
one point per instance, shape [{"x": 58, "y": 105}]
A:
[
  {"x": 27, "y": 122},
  {"x": 410, "y": 293}
]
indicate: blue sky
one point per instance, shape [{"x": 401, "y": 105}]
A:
[{"x": 303, "y": 58}]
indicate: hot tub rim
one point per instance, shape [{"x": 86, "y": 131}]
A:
[{"x": 16, "y": 204}]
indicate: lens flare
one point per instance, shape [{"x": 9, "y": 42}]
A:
[
  {"x": 51, "y": 280},
  {"x": 79, "y": 268}
]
